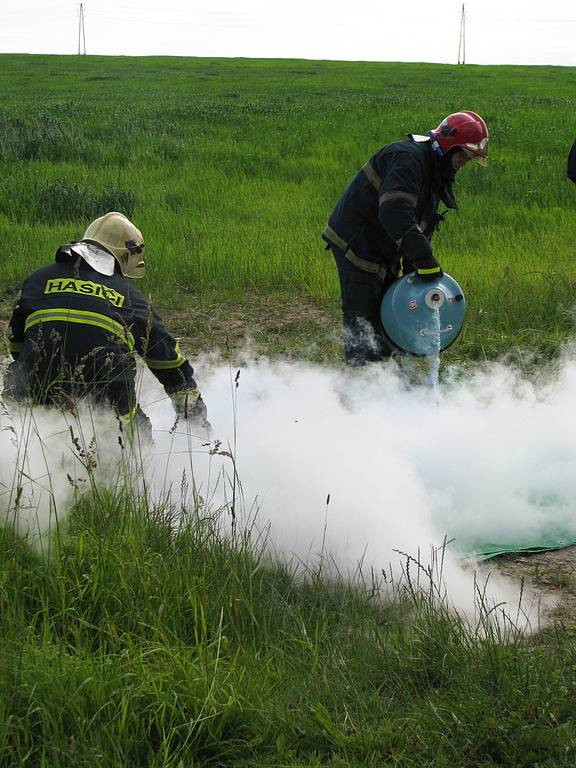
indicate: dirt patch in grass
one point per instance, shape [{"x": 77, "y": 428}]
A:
[
  {"x": 275, "y": 325},
  {"x": 550, "y": 574}
]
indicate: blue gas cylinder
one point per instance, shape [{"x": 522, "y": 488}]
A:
[{"x": 422, "y": 317}]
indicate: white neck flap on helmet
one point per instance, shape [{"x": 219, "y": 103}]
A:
[{"x": 96, "y": 257}]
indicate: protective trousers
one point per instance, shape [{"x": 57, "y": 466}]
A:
[
  {"x": 95, "y": 379},
  {"x": 361, "y": 293}
]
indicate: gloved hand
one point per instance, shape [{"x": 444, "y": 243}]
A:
[
  {"x": 430, "y": 274},
  {"x": 189, "y": 405},
  {"x": 418, "y": 252}
]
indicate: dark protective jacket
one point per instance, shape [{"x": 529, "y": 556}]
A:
[
  {"x": 390, "y": 210},
  {"x": 73, "y": 331},
  {"x": 572, "y": 163}
]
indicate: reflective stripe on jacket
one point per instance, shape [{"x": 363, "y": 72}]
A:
[
  {"x": 71, "y": 322},
  {"x": 396, "y": 191}
]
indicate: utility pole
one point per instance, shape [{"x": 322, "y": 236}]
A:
[
  {"x": 81, "y": 32},
  {"x": 462, "y": 44}
]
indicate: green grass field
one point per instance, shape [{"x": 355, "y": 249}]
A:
[
  {"x": 137, "y": 643},
  {"x": 231, "y": 168}
]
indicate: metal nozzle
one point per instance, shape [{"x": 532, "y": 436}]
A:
[{"x": 435, "y": 298}]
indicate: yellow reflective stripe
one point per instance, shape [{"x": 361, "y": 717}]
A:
[
  {"x": 165, "y": 364},
  {"x": 84, "y": 288},
  {"x": 366, "y": 266},
  {"x": 64, "y": 315},
  {"x": 334, "y": 237},
  {"x": 129, "y": 417},
  {"x": 387, "y": 196},
  {"x": 371, "y": 175},
  {"x": 431, "y": 271},
  {"x": 373, "y": 267}
]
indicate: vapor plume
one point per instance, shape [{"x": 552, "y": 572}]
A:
[{"x": 347, "y": 467}]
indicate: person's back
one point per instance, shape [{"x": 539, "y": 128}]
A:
[
  {"x": 401, "y": 171},
  {"x": 77, "y": 323}
]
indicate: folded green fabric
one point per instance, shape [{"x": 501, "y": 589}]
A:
[{"x": 493, "y": 550}]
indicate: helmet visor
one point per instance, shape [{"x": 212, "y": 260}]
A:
[
  {"x": 132, "y": 261},
  {"x": 477, "y": 151}
]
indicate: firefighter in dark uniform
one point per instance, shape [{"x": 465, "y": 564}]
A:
[
  {"x": 382, "y": 225},
  {"x": 572, "y": 163},
  {"x": 77, "y": 323}
]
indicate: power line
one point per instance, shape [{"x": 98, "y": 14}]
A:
[{"x": 462, "y": 43}]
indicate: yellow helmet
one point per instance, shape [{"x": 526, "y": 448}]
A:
[{"x": 116, "y": 234}]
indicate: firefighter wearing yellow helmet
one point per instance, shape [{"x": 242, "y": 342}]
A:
[
  {"x": 119, "y": 237},
  {"x": 78, "y": 321}
]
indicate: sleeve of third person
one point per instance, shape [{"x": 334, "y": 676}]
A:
[
  {"x": 572, "y": 164},
  {"x": 398, "y": 197},
  {"x": 163, "y": 357}
]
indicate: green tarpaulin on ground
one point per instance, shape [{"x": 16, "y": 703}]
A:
[{"x": 493, "y": 550}]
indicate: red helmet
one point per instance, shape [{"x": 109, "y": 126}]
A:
[{"x": 464, "y": 130}]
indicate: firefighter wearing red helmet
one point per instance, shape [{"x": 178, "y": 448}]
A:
[
  {"x": 463, "y": 131},
  {"x": 382, "y": 225}
]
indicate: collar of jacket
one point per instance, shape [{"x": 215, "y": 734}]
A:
[
  {"x": 445, "y": 176},
  {"x": 441, "y": 181},
  {"x": 96, "y": 258},
  {"x": 65, "y": 254}
]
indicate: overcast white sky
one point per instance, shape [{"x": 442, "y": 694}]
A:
[{"x": 497, "y": 31}]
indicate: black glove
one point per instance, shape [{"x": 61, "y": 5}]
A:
[
  {"x": 189, "y": 405},
  {"x": 419, "y": 253}
]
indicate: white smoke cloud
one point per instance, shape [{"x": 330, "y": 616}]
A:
[
  {"x": 487, "y": 458},
  {"x": 49, "y": 458}
]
